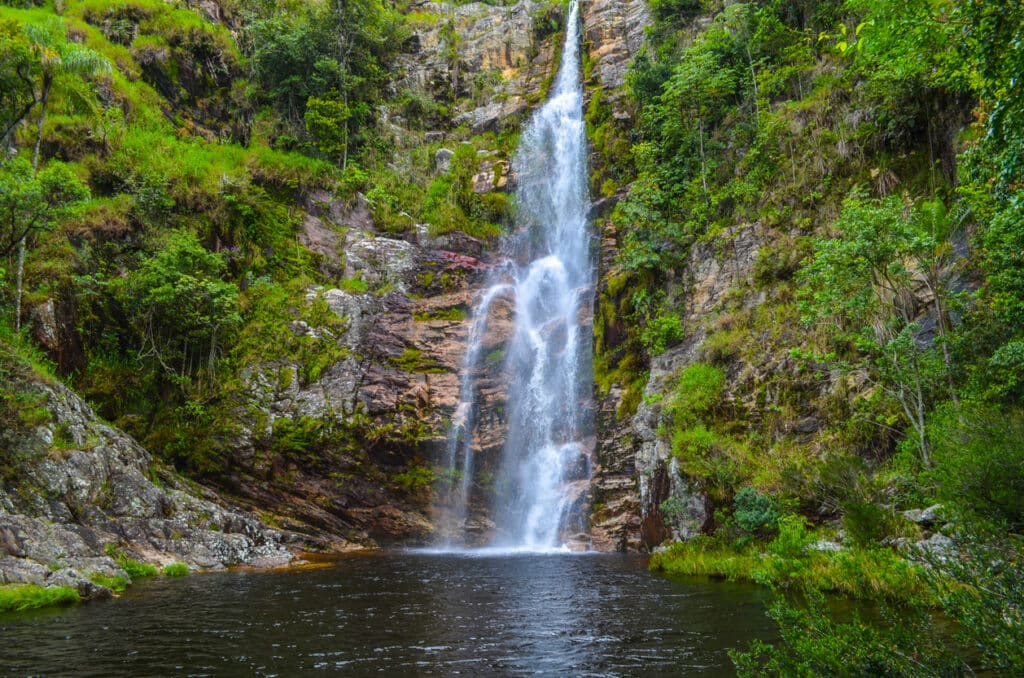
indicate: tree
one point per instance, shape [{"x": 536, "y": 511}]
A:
[
  {"x": 338, "y": 52},
  {"x": 327, "y": 123},
  {"x": 18, "y": 72},
  {"x": 180, "y": 308},
  {"x": 61, "y": 63},
  {"x": 32, "y": 203},
  {"x": 698, "y": 88},
  {"x": 861, "y": 284}
]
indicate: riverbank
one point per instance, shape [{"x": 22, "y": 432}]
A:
[{"x": 798, "y": 558}]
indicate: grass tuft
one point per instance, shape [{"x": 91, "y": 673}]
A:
[
  {"x": 31, "y": 597},
  {"x": 176, "y": 570}
]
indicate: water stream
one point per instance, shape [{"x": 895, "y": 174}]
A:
[{"x": 547, "y": 274}]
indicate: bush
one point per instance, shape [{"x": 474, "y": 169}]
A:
[
  {"x": 754, "y": 511},
  {"x": 792, "y": 539},
  {"x": 697, "y": 393},
  {"x": 815, "y": 644},
  {"x": 662, "y": 332},
  {"x": 979, "y": 463},
  {"x": 866, "y": 523}
]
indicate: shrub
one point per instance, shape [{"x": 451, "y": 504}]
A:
[
  {"x": 695, "y": 441},
  {"x": 662, "y": 332},
  {"x": 792, "y": 538},
  {"x": 978, "y": 463},
  {"x": 866, "y": 523},
  {"x": 755, "y": 511},
  {"x": 417, "y": 481},
  {"x": 697, "y": 393}
]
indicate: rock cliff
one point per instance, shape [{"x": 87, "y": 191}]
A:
[
  {"x": 342, "y": 453},
  {"x": 86, "y": 490}
]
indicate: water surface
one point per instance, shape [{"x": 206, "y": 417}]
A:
[{"x": 400, "y": 614}]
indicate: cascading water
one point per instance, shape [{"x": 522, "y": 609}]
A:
[{"x": 548, "y": 275}]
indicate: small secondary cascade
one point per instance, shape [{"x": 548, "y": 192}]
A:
[{"x": 547, "y": 275}]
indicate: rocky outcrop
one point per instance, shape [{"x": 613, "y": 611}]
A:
[
  {"x": 616, "y": 520},
  {"x": 389, "y": 398},
  {"x": 491, "y": 59},
  {"x": 663, "y": 504},
  {"x": 711, "y": 274},
  {"x": 85, "y": 489},
  {"x": 613, "y": 34}
]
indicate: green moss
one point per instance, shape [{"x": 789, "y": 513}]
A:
[
  {"x": 413, "y": 360},
  {"x": 454, "y": 313},
  {"x": 30, "y": 597}
]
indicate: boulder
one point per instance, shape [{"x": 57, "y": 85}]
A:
[{"x": 443, "y": 159}]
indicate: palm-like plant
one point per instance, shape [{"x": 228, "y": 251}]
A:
[{"x": 62, "y": 63}]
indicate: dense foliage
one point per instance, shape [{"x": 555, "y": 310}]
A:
[
  {"x": 871, "y": 152},
  {"x": 160, "y": 164},
  {"x": 863, "y": 160}
]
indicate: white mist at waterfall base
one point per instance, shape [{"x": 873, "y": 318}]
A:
[{"x": 541, "y": 483}]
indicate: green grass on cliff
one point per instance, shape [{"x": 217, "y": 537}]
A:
[{"x": 31, "y": 597}]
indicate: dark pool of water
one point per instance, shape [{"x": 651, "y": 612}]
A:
[{"x": 400, "y": 614}]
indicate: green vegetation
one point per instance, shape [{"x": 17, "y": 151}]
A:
[
  {"x": 790, "y": 561},
  {"x": 850, "y": 171},
  {"x": 413, "y": 360},
  {"x": 162, "y": 171},
  {"x": 117, "y": 583},
  {"x": 868, "y": 157},
  {"x": 175, "y": 570},
  {"x": 455, "y": 313},
  {"x": 133, "y": 568},
  {"x": 19, "y": 598}
]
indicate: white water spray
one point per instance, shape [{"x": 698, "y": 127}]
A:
[{"x": 549, "y": 275}]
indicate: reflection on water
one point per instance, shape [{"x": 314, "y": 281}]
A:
[{"x": 400, "y": 614}]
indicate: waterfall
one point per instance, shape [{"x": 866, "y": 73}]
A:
[{"x": 547, "y": 274}]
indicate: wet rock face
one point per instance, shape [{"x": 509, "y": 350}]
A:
[
  {"x": 84, "y": 485},
  {"x": 394, "y": 388},
  {"x": 615, "y": 523}
]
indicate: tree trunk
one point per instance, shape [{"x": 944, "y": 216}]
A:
[
  {"x": 20, "y": 274},
  {"x": 753, "y": 80},
  {"x": 940, "y": 325},
  {"x": 47, "y": 81},
  {"x": 17, "y": 292},
  {"x": 703, "y": 162}
]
